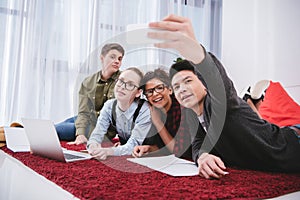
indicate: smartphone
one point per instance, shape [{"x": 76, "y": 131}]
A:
[{"x": 137, "y": 34}]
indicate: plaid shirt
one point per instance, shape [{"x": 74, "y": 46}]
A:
[
  {"x": 177, "y": 126},
  {"x": 175, "y": 123}
]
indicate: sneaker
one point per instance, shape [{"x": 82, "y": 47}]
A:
[
  {"x": 245, "y": 94},
  {"x": 258, "y": 90}
]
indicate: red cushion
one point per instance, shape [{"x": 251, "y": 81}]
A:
[{"x": 278, "y": 107}]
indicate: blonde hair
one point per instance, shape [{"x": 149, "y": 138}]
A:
[{"x": 137, "y": 71}]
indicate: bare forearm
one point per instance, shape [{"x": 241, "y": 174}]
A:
[
  {"x": 251, "y": 104},
  {"x": 153, "y": 148}
]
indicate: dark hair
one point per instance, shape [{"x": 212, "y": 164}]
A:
[
  {"x": 137, "y": 71},
  {"x": 110, "y": 46},
  {"x": 185, "y": 65},
  {"x": 158, "y": 74},
  {"x": 179, "y": 66}
]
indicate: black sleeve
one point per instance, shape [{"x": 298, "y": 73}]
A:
[
  {"x": 221, "y": 98},
  {"x": 215, "y": 76},
  {"x": 153, "y": 138},
  {"x": 196, "y": 145}
]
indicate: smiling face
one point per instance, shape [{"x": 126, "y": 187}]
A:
[
  {"x": 112, "y": 61},
  {"x": 161, "y": 99},
  {"x": 128, "y": 79},
  {"x": 189, "y": 90}
]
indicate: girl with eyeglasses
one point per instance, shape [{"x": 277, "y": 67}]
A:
[
  {"x": 169, "y": 133},
  {"x": 127, "y": 92}
]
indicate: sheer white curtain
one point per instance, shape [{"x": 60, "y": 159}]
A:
[{"x": 48, "y": 47}]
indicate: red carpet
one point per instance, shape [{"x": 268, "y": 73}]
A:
[{"x": 125, "y": 180}]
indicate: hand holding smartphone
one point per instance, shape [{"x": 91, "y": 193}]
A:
[{"x": 137, "y": 34}]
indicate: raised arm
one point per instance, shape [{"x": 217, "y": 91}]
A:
[{"x": 180, "y": 36}]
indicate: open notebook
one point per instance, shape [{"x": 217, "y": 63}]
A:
[
  {"x": 44, "y": 141},
  {"x": 169, "y": 165},
  {"x": 16, "y": 139}
]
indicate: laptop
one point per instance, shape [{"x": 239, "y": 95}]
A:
[{"x": 43, "y": 140}]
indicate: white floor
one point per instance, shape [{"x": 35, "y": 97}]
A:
[
  {"x": 20, "y": 182},
  {"x": 291, "y": 196}
]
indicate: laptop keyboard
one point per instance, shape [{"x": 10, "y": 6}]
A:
[{"x": 71, "y": 156}]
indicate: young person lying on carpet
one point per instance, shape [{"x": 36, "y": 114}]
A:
[
  {"x": 128, "y": 113},
  {"x": 169, "y": 131},
  {"x": 228, "y": 131},
  {"x": 94, "y": 91},
  {"x": 278, "y": 108}
]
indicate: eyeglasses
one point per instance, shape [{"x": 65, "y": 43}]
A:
[
  {"x": 128, "y": 85},
  {"x": 158, "y": 89}
]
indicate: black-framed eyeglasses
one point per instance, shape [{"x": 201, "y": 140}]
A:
[
  {"x": 158, "y": 89},
  {"x": 128, "y": 85}
]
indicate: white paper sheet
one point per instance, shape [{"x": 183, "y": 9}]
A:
[
  {"x": 169, "y": 165},
  {"x": 16, "y": 139}
]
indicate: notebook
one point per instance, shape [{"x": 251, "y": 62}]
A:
[
  {"x": 169, "y": 165},
  {"x": 43, "y": 140},
  {"x": 16, "y": 139}
]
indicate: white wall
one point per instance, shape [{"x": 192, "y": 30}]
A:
[{"x": 261, "y": 40}]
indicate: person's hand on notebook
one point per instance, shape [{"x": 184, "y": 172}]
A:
[
  {"x": 80, "y": 139},
  {"x": 139, "y": 151},
  {"x": 143, "y": 150}
]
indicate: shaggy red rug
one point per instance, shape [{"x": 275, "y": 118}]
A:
[{"x": 117, "y": 178}]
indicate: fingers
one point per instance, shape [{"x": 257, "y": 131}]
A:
[
  {"x": 211, "y": 166},
  {"x": 165, "y": 35},
  {"x": 83, "y": 139},
  {"x": 171, "y": 25},
  {"x": 80, "y": 139},
  {"x": 99, "y": 154},
  {"x": 117, "y": 144},
  {"x": 140, "y": 151},
  {"x": 71, "y": 143},
  {"x": 175, "y": 18},
  {"x": 135, "y": 152},
  {"x": 166, "y": 25},
  {"x": 210, "y": 170},
  {"x": 175, "y": 23},
  {"x": 143, "y": 152},
  {"x": 220, "y": 163},
  {"x": 154, "y": 112},
  {"x": 100, "y": 157},
  {"x": 76, "y": 142},
  {"x": 93, "y": 147}
]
